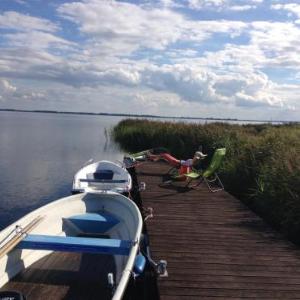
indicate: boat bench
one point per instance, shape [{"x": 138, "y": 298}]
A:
[
  {"x": 102, "y": 174},
  {"x": 98, "y": 222},
  {"x": 92, "y": 180},
  {"x": 76, "y": 244}
]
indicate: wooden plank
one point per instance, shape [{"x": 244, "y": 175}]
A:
[{"x": 215, "y": 246}]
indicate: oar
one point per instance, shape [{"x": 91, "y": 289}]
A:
[{"x": 14, "y": 241}]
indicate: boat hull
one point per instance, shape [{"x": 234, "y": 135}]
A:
[
  {"x": 106, "y": 224},
  {"x": 102, "y": 175}
]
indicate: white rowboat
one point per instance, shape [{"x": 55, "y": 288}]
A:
[
  {"x": 102, "y": 176},
  {"x": 97, "y": 224}
]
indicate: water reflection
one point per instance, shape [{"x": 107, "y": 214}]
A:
[{"x": 39, "y": 154}]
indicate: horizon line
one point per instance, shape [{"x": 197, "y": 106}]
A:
[{"x": 144, "y": 116}]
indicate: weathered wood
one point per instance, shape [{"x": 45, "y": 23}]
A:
[
  {"x": 65, "y": 276},
  {"x": 215, "y": 246}
]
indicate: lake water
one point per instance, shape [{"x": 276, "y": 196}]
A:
[{"x": 40, "y": 153}]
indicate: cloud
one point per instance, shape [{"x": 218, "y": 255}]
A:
[
  {"x": 242, "y": 7},
  {"x": 36, "y": 40},
  {"x": 196, "y": 84},
  {"x": 201, "y": 4},
  {"x": 293, "y": 8},
  {"x": 21, "y": 22},
  {"x": 220, "y": 5},
  {"x": 155, "y": 54},
  {"x": 121, "y": 28},
  {"x": 24, "y": 31},
  {"x": 33, "y": 96},
  {"x": 110, "y": 22},
  {"x": 203, "y": 86},
  {"x": 190, "y": 84},
  {"x": 156, "y": 102},
  {"x": 258, "y": 100},
  {"x": 171, "y": 3},
  {"x": 6, "y": 89},
  {"x": 278, "y": 40},
  {"x": 9, "y": 93},
  {"x": 269, "y": 44},
  {"x": 21, "y": 2},
  {"x": 6, "y": 86},
  {"x": 31, "y": 48}
]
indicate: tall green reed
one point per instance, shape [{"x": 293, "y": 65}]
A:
[{"x": 261, "y": 167}]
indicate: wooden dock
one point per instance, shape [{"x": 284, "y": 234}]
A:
[{"x": 216, "y": 248}]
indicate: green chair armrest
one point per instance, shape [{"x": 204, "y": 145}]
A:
[{"x": 193, "y": 175}]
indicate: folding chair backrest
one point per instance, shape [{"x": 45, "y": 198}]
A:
[
  {"x": 215, "y": 162},
  {"x": 137, "y": 154}
]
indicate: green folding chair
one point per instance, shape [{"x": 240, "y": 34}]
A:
[
  {"x": 133, "y": 159},
  {"x": 143, "y": 155},
  {"x": 209, "y": 176}
]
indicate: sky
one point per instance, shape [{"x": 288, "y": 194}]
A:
[{"x": 197, "y": 58}]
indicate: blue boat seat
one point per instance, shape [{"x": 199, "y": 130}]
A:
[
  {"x": 103, "y": 180},
  {"x": 104, "y": 174},
  {"x": 99, "y": 222},
  {"x": 76, "y": 244}
]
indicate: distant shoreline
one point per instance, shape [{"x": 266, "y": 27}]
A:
[{"x": 145, "y": 116}]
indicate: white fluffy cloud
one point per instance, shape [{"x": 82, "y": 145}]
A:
[
  {"x": 235, "y": 5},
  {"x": 11, "y": 94},
  {"x": 200, "y": 4},
  {"x": 36, "y": 40},
  {"x": 242, "y": 7},
  {"x": 156, "y": 56},
  {"x": 21, "y": 22},
  {"x": 23, "y": 31},
  {"x": 122, "y": 28},
  {"x": 6, "y": 86},
  {"x": 203, "y": 86},
  {"x": 293, "y": 8},
  {"x": 6, "y": 89}
]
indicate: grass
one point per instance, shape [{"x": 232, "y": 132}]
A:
[{"x": 261, "y": 167}]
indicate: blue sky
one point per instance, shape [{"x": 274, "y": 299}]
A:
[{"x": 201, "y": 58}]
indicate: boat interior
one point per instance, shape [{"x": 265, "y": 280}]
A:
[
  {"x": 65, "y": 275},
  {"x": 83, "y": 260},
  {"x": 102, "y": 175}
]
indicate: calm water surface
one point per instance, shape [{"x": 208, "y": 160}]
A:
[{"x": 40, "y": 153}]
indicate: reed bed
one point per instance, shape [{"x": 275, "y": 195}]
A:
[{"x": 261, "y": 167}]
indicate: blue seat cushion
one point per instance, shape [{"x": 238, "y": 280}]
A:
[
  {"x": 76, "y": 244},
  {"x": 99, "y": 222},
  {"x": 104, "y": 174}
]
